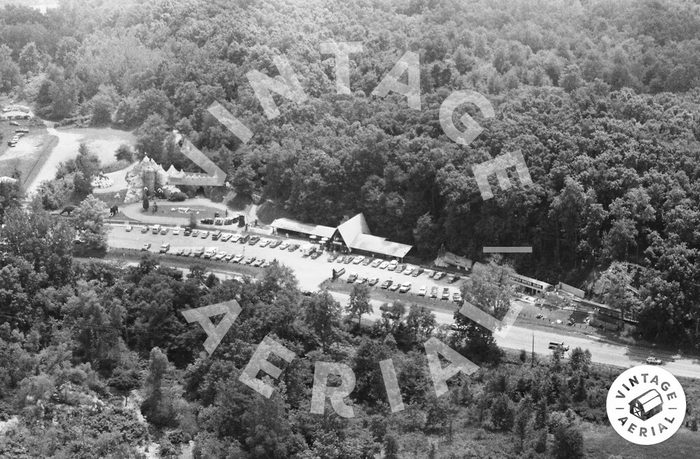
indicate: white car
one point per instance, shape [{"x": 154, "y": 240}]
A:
[
  {"x": 129, "y": 228},
  {"x": 219, "y": 256},
  {"x": 358, "y": 260},
  {"x": 405, "y": 288},
  {"x": 376, "y": 263},
  {"x": 176, "y": 231},
  {"x": 226, "y": 237},
  {"x": 383, "y": 265},
  {"x": 423, "y": 290}
]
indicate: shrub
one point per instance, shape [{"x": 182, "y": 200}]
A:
[{"x": 177, "y": 196}]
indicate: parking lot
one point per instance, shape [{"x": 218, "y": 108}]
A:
[{"x": 309, "y": 271}]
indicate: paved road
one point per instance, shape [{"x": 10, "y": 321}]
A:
[{"x": 311, "y": 273}]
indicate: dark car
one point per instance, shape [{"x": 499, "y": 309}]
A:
[
  {"x": 332, "y": 257},
  {"x": 293, "y": 247},
  {"x": 348, "y": 259},
  {"x": 417, "y": 272},
  {"x": 207, "y": 221},
  {"x": 373, "y": 281},
  {"x": 315, "y": 255},
  {"x": 253, "y": 240},
  {"x": 187, "y": 232},
  {"x": 216, "y": 236},
  {"x": 352, "y": 278},
  {"x": 385, "y": 285},
  {"x": 244, "y": 239},
  {"x": 275, "y": 244}
]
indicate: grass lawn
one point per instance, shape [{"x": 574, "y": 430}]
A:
[
  {"x": 603, "y": 442},
  {"x": 171, "y": 210}
]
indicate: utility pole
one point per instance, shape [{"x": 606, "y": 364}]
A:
[{"x": 532, "y": 359}]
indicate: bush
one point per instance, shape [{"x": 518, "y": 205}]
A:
[{"x": 178, "y": 196}]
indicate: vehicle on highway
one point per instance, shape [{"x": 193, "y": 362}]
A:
[
  {"x": 284, "y": 246},
  {"x": 383, "y": 265},
  {"x": 417, "y": 272},
  {"x": 457, "y": 297},
  {"x": 376, "y": 263},
  {"x": 176, "y": 231},
  {"x": 434, "y": 292},
  {"x": 204, "y": 234},
  {"x": 445, "y": 294},
  {"x": 226, "y": 237},
  {"x": 331, "y": 258},
  {"x": 195, "y": 233},
  {"x": 352, "y": 277},
  {"x": 237, "y": 259},
  {"x": 373, "y": 281},
  {"x": 164, "y": 247},
  {"x": 128, "y": 228},
  {"x": 560, "y": 346},
  {"x": 146, "y": 246},
  {"x": 651, "y": 360},
  {"x": 357, "y": 260},
  {"x": 405, "y": 287},
  {"x": 386, "y": 284},
  {"x": 394, "y": 287},
  {"x": 422, "y": 291},
  {"x": 265, "y": 243},
  {"x": 275, "y": 244}
]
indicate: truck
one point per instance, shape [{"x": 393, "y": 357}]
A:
[{"x": 558, "y": 346}]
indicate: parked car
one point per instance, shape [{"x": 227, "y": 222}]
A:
[
  {"x": 235, "y": 237},
  {"x": 392, "y": 265},
  {"x": 205, "y": 234},
  {"x": 258, "y": 263},
  {"x": 228, "y": 257},
  {"x": 237, "y": 259},
  {"x": 422, "y": 291},
  {"x": 373, "y": 281},
  {"x": 219, "y": 256},
  {"x": 275, "y": 244},
  {"x": 651, "y": 360},
  {"x": 186, "y": 252},
  {"x": 400, "y": 268},
  {"x": 315, "y": 255},
  {"x": 210, "y": 253},
  {"x": 144, "y": 229},
  {"x": 352, "y": 278},
  {"x": 244, "y": 239},
  {"x": 226, "y": 237},
  {"x": 215, "y": 236},
  {"x": 430, "y": 273},
  {"x": 265, "y": 243},
  {"x": 405, "y": 288},
  {"x": 164, "y": 247},
  {"x": 439, "y": 275},
  {"x": 434, "y": 292},
  {"x": 198, "y": 252},
  {"x": 457, "y": 297},
  {"x": 357, "y": 260},
  {"x": 163, "y": 231},
  {"x": 176, "y": 231},
  {"x": 348, "y": 259},
  {"x": 284, "y": 246},
  {"x": 195, "y": 233},
  {"x": 557, "y": 345},
  {"x": 453, "y": 278},
  {"x": 417, "y": 272},
  {"x": 394, "y": 287},
  {"x": 248, "y": 260},
  {"x": 361, "y": 280},
  {"x": 128, "y": 228},
  {"x": 253, "y": 240},
  {"x": 386, "y": 284},
  {"x": 331, "y": 258},
  {"x": 367, "y": 261},
  {"x": 340, "y": 259},
  {"x": 146, "y": 246},
  {"x": 188, "y": 232},
  {"x": 293, "y": 247},
  {"x": 376, "y": 263},
  {"x": 445, "y": 293},
  {"x": 383, "y": 265},
  {"x": 450, "y": 279}
]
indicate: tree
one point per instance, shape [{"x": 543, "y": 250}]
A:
[
  {"x": 579, "y": 360},
  {"x": 420, "y": 323},
  {"x": 568, "y": 442},
  {"x": 359, "y": 302},
  {"x": 9, "y": 71},
  {"x": 145, "y": 204},
  {"x": 88, "y": 219},
  {"x": 124, "y": 153},
  {"x": 29, "y": 58},
  {"x": 157, "y": 406},
  {"x": 10, "y": 195},
  {"x": 322, "y": 314},
  {"x": 502, "y": 414},
  {"x": 391, "y": 447},
  {"x": 150, "y": 138},
  {"x": 523, "y": 421}
]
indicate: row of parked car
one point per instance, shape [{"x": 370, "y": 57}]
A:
[
  {"x": 404, "y": 287},
  {"x": 392, "y": 265},
  {"x": 19, "y": 133},
  {"x": 212, "y": 253}
]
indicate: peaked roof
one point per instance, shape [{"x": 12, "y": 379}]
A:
[
  {"x": 287, "y": 224},
  {"x": 352, "y": 228}
]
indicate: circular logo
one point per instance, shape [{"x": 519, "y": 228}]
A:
[{"x": 646, "y": 405}]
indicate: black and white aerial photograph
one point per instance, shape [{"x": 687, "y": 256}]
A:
[{"x": 349, "y": 229}]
